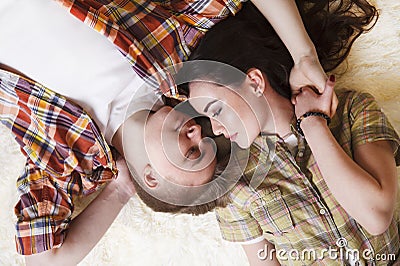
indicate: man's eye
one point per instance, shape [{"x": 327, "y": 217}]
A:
[
  {"x": 193, "y": 153},
  {"x": 215, "y": 114}
]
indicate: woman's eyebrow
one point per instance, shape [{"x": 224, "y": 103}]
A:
[{"x": 208, "y": 106}]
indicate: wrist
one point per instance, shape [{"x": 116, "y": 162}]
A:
[
  {"x": 314, "y": 126},
  {"x": 308, "y": 53},
  {"x": 120, "y": 194},
  {"x": 124, "y": 194},
  {"x": 312, "y": 120}
]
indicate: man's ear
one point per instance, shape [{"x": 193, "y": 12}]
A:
[
  {"x": 149, "y": 177},
  {"x": 257, "y": 81}
]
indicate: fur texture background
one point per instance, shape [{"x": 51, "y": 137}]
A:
[{"x": 142, "y": 237}]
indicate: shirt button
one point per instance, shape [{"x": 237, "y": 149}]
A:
[{"x": 322, "y": 211}]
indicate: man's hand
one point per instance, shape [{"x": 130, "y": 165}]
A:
[
  {"x": 124, "y": 184},
  {"x": 88, "y": 228}
]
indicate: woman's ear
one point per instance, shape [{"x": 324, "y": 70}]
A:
[
  {"x": 149, "y": 178},
  {"x": 257, "y": 81}
]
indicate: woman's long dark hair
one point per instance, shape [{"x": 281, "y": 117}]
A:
[{"x": 249, "y": 41}]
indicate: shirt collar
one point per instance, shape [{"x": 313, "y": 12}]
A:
[{"x": 260, "y": 157}]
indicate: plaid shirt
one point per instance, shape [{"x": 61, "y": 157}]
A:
[
  {"x": 293, "y": 207},
  {"x": 66, "y": 156},
  {"x": 153, "y": 35}
]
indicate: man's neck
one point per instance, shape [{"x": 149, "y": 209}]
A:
[{"x": 129, "y": 139}]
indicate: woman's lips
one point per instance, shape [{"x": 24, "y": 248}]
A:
[{"x": 233, "y": 137}]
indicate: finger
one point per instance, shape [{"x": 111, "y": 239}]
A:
[
  {"x": 329, "y": 87},
  {"x": 307, "y": 94},
  {"x": 294, "y": 96},
  {"x": 293, "y": 99},
  {"x": 329, "y": 94},
  {"x": 318, "y": 79},
  {"x": 334, "y": 105},
  {"x": 296, "y": 90},
  {"x": 308, "y": 90}
]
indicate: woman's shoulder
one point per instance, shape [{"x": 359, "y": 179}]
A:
[
  {"x": 353, "y": 95},
  {"x": 355, "y": 101}
]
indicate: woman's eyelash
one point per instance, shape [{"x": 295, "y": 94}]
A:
[{"x": 217, "y": 112}]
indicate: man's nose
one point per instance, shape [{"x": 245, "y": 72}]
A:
[{"x": 194, "y": 133}]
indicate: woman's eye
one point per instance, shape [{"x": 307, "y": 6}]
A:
[{"x": 215, "y": 114}]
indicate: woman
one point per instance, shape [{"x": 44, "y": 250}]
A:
[{"x": 326, "y": 193}]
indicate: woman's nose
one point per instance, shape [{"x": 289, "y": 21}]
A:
[{"x": 217, "y": 128}]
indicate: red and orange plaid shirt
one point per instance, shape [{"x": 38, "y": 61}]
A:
[
  {"x": 153, "y": 35},
  {"x": 66, "y": 155}
]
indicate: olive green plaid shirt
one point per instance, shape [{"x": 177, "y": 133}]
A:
[{"x": 293, "y": 207}]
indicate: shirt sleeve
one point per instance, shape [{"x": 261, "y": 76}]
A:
[
  {"x": 370, "y": 124},
  {"x": 237, "y": 225},
  {"x": 43, "y": 211},
  {"x": 197, "y": 17},
  {"x": 236, "y": 221},
  {"x": 196, "y": 13},
  {"x": 66, "y": 156}
]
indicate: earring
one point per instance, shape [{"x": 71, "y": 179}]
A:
[{"x": 258, "y": 92}]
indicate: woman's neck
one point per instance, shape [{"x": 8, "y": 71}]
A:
[
  {"x": 284, "y": 118},
  {"x": 282, "y": 113}
]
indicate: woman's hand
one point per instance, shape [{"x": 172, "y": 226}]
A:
[
  {"x": 308, "y": 100},
  {"x": 307, "y": 72}
]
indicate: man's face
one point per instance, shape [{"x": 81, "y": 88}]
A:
[{"x": 177, "y": 150}]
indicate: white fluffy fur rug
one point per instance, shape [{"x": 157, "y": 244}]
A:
[{"x": 142, "y": 237}]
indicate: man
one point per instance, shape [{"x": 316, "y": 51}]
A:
[{"x": 109, "y": 120}]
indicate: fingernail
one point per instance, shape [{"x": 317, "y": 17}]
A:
[{"x": 332, "y": 78}]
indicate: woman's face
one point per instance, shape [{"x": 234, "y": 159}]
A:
[{"x": 232, "y": 112}]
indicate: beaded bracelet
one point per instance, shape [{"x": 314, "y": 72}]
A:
[{"x": 320, "y": 114}]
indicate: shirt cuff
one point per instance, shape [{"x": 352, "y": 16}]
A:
[{"x": 38, "y": 235}]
